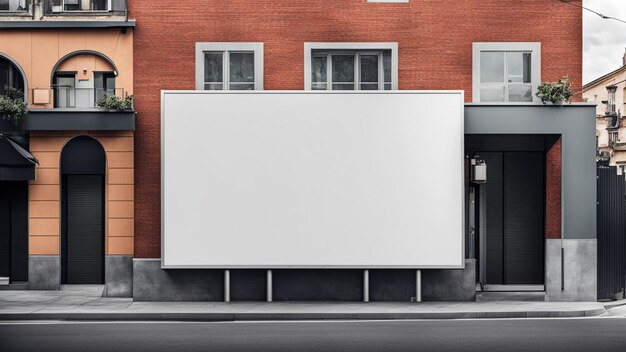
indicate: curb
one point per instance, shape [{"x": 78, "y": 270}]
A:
[
  {"x": 213, "y": 317},
  {"x": 614, "y": 304}
]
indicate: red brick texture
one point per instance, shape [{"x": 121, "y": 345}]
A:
[
  {"x": 553, "y": 191},
  {"x": 435, "y": 52}
]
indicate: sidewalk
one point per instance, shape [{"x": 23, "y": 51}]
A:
[{"x": 85, "y": 303}]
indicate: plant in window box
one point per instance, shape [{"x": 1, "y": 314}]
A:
[
  {"x": 12, "y": 105},
  {"x": 113, "y": 102},
  {"x": 555, "y": 92}
]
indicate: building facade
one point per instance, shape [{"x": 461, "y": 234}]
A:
[
  {"x": 520, "y": 232},
  {"x": 68, "y": 212},
  {"x": 608, "y": 93}
]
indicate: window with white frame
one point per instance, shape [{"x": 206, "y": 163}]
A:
[
  {"x": 229, "y": 66},
  {"x": 506, "y": 72},
  {"x": 350, "y": 66}
]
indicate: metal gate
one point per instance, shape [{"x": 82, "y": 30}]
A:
[{"x": 611, "y": 231}]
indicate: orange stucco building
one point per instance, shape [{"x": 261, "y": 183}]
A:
[{"x": 65, "y": 63}]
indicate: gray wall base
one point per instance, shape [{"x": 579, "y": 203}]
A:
[
  {"x": 450, "y": 284},
  {"x": 578, "y": 270},
  {"x": 151, "y": 283},
  {"x": 118, "y": 276},
  {"x": 44, "y": 272}
]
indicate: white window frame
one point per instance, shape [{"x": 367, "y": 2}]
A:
[
  {"x": 351, "y": 48},
  {"x": 107, "y": 10},
  {"x": 256, "y": 48},
  {"x": 535, "y": 61}
]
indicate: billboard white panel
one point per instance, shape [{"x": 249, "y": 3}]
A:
[{"x": 286, "y": 179}]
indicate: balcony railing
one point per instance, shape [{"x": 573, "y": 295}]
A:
[
  {"x": 52, "y": 7},
  {"x": 69, "y": 97}
]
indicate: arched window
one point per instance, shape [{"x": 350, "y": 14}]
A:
[
  {"x": 10, "y": 75},
  {"x": 80, "y": 79}
]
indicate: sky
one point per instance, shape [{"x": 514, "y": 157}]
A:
[{"x": 604, "y": 41}]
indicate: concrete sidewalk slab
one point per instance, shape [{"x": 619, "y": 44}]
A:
[{"x": 85, "y": 303}]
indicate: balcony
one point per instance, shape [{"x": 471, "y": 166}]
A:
[{"x": 66, "y": 97}]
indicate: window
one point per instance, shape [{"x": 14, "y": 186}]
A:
[
  {"x": 229, "y": 66},
  {"x": 104, "y": 84},
  {"x": 350, "y": 66},
  {"x": 13, "y": 5},
  {"x": 361, "y": 70},
  {"x": 506, "y": 72},
  {"x": 85, "y": 5}
]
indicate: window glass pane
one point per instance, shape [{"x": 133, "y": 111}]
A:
[
  {"x": 213, "y": 67},
  {"x": 319, "y": 86},
  {"x": 318, "y": 69},
  {"x": 387, "y": 65},
  {"x": 369, "y": 86},
  {"x": 343, "y": 86},
  {"x": 242, "y": 67},
  {"x": 240, "y": 86},
  {"x": 343, "y": 68},
  {"x": 527, "y": 77},
  {"x": 387, "y": 86},
  {"x": 491, "y": 66},
  {"x": 494, "y": 93},
  {"x": 99, "y": 5},
  {"x": 519, "y": 92},
  {"x": 213, "y": 86},
  {"x": 369, "y": 68},
  {"x": 518, "y": 65}
]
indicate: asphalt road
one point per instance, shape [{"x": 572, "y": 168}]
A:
[{"x": 588, "y": 334}]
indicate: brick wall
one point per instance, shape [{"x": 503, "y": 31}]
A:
[
  {"x": 553, "y": 191},
  {"x": 435, "y": 52},
  {"x": 45, "y": 191}
]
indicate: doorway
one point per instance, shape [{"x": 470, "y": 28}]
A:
[
  {"x": 82, "y": 211},
  {"x": 511, "y": 221},
  {"x": 14, "y": 230}
]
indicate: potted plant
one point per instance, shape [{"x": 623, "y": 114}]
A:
[
  {"x": 113, "y": 102},
  {"x": 12, "y": 105},
  {"x": 555, "y": 92}
]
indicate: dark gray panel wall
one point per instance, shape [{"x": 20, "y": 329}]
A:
[
  {"x": 576, "y": 124},
  {"x": 248, "y": 285},
  {"x": 318, "y": 285}
]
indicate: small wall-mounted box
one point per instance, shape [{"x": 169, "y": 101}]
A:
[
  {"x": 479, "y": 171},
  {"x": 41, "y": 96}
]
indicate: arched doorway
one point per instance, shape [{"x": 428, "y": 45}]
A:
[{"x": 83, "y": 165}]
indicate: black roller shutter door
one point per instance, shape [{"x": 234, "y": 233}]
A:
[
  {"x": 524, "y": 218},
  {"x": 84, "y": 237}
]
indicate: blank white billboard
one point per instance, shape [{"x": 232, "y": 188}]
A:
[{"x": 286, "y": 179}]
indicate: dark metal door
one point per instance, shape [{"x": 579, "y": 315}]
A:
[
  {"x": 611, "y": 232},
  {"x": 83, "y": 242},
  {"x": 514, "y": 218},
  {"x": 14, "y": 230},
  {"x": 524, "y": 218}
]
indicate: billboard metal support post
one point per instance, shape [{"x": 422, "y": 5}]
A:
[
  {"x": 269, "y": 285},
  {"x": 366, "y": 285},
  {"x": 418, "y": 285},
  {"x": 226, "y": 285}
]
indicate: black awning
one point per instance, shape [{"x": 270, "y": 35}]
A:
[{"x": 16, "y": 163}]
